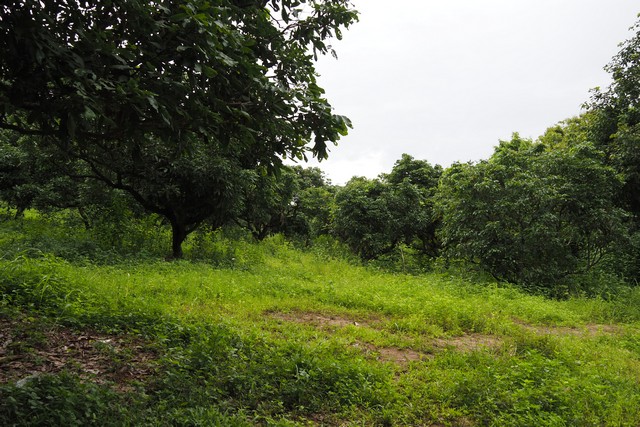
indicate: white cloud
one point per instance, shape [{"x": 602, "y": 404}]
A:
[{"x": 445, "y": 80}]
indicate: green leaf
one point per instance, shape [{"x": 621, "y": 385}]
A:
[
  {"x": 89, "y": 114},
  {"x": 227, "y": 60},
  {"x": 153, "y": 102},
  {"x": 209, "y": 72}
]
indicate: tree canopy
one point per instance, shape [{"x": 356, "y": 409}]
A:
[
  {"x": 172, "y": 100},
  {"x": 531, "y": 215},
  {"x": 617, "y": 109},
  {"x": 375, "y": 216}
]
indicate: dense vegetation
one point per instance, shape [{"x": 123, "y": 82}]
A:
[
  {"x": 267, "y": 334},
  {"x": 175, "y": 103},
  {"x": 500, "y": 292},
  {"x": 556, "y": 215}
]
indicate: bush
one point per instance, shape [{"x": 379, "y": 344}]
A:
[{"x": 531, "y": 216}]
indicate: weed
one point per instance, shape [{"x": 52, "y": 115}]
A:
[{"x": 58, "y": 400}]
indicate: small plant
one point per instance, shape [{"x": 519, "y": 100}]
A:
[{"x": 58, "y": 400}]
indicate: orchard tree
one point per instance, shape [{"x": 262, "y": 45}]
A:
[
  {"x": 414, "y": 171},
  {"x": 530, "y": 215},
  {"x": 311, "y": 177},
  {"x": 174, "y": 102},
  {"x": 363, "y": 219},
  {"x": 268, "y": 203},
  {"x": 587, "y": 130},
  {"x": 313, "y": 204},
  {"x": 618, "y": 109},
  {"x": 413, "y": 184},
  {"x": 571, "y": 133},
  {"x": 616, "y": 131},
  {"x": 33, "y": 175},
  {"x": 296, "y": 202},
  {"x": 375, "y": 216}
]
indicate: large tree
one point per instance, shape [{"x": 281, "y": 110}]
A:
[
  {"x": 171, "y": 101},
  {"x": 363, "y": 217},
  {"x": 34, "y": 174},
  {"x": 532, "y": 215},
  {"x": 617, "y": 125},
  {"x": 313, "y": 203},
  {"x": 269, "y": 201},
  {"x": 414, "y": 183},
  {"x": 375, "y": 216}
]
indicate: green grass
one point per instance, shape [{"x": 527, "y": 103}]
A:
[{"x": 266, "y": 334}]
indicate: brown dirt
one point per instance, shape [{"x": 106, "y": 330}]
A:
[
  {"x": 318, "y": 320},
  {"x": 469, "y": 342},
  {"x": 29, "y": 349},
  {"x": 588, "y": 330},
  {"x": 402, "y": 356},
  {"x": 462, "y": 344}
]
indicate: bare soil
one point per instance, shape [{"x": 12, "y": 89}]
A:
[
  {"x": 402, "y": 356},
  {"x": 588, "y": 330},
  {"x": 29, "y": 349}
]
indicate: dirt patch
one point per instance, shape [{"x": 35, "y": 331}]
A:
[
  {"x": 462, "y": 344},
  {"x": 397, "y": 355},
  {"x": 588, "y": 330},
  {"x": 318, "y": 320},
  {"x": 469, "y": 343},
  {"x": 402, "y": 356},
  {"x": 28, "y": 349}
]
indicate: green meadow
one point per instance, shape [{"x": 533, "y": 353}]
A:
[{"x": 243, "y": 333}]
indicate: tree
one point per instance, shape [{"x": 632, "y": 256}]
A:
[
  {"x": 362, "y": 218},
  {"x": 414, "y": 183},
  {"x": 296, "y": 201},
  {"x": 375, "y": 216},
  {"x": 268, "y": 203},
  {"x": 30, "y": 175},
  {"x": 172, "y": 101},
  {"x": 617, "y": 109},
  {"x": 313, "y": 204},
  {"x": 530, "y": 215},
  {"x": 414, "y": 171},
  {"x": 311, "y": 177},
  {"x": 616, "y": 131}
]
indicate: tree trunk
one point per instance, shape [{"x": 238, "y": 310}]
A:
[
  {"x": 85, "y": 218},
  {"x": 178, "y": 234}
]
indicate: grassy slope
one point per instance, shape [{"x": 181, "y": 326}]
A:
[{"x": 283, "y": 337}]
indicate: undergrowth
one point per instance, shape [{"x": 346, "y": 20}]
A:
[{"x": 248, "y": 333}]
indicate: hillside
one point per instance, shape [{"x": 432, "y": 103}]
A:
[{"x": 273, "y": 335}]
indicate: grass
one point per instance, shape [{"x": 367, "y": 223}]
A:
[{"x": 266, "y": 334}]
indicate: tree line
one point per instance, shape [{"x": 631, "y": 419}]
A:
[{"x": 185, "y": 110}]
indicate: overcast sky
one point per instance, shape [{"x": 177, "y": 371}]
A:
[{"x": 445, "y": 80}]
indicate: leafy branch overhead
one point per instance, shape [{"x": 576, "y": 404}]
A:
[
  {"x": 112, "y": 70},
  {"x": 150, "y": 96}
]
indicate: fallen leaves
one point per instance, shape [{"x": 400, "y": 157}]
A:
[{"x": 29, "y": 348}]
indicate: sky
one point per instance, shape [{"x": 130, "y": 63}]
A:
[{"x": 446, "y": 80}]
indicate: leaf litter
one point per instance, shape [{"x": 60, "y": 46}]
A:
[{"x": 29, "y": 349}]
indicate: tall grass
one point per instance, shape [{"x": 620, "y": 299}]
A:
[{"x": 264, "y": 333}]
